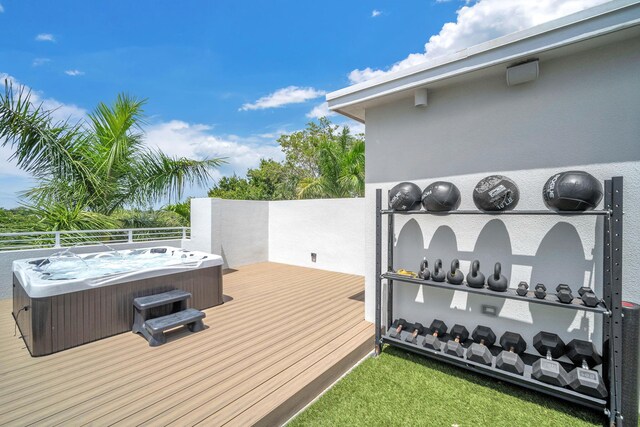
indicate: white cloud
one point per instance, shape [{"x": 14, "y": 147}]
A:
[
  {"x": 481, "y": 21},
  {"x": 355, "y": 127},
  {"x": 60, "y": 110},
  {"x": 45, "y": 37},
  {"x": 74, "y": 73},
  {"x": 375, "y": 13},
  {"x": 40, "y": 61},
  {"x": 284, "y": 96},
  {"x": 320, "y": 110},
  {"x": 273, "y": 135},
  {"x": 179, "y": 138}
]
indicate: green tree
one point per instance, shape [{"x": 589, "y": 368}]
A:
[
  {"x": 95, "y": 166},
  {"x": 182, "y": 209},
  {"x": 269, "y": 181},
  {"x": 322, "y": 160},
  {"x": 233, "y": 188},
  {"x": 340, "y": 168}
]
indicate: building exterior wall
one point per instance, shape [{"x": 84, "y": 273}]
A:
[{"x": 581, "y": 113}]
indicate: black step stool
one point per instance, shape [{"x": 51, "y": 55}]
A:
[{"x": 153, "y": 328}]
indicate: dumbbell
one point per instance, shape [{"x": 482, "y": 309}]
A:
[
  {"x": 454, "y": 347},
  {"x": 588, "y": 297},
  {"x": 483, "y": 338},
  {"x": 509, "y": 359},
  {"x": 563, "y": 292},
  {"x": 523, "y": 288},
  {"x": 548, "y": 370},
  {"x": 540, "y": 291},
  {"x": 399, "y": 325},
  {"x": 417, "y": 330},
  {"x": 437, "y": 329},
  {"x": 583, "y": 379}
]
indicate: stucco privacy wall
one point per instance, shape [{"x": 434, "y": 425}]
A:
[
  {"x": 581, "y": 113},
  {"x": 238, "y": 230},
  {"x": 246, "y": 232},
  {"x": 331, "y": 228},
  {"x": 7, "y": 258}
]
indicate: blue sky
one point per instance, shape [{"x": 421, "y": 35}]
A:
[{"x": 227, "y": 77}]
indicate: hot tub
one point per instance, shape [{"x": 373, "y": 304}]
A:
[{"x": 67, "y": 300}]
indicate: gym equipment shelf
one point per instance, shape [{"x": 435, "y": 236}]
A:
[
  {"x": 525, "y": 380},
  {"x": 610, "y": 306},
  {"x": 510, "y": 293},
  {"x": 498, "y": 213}
]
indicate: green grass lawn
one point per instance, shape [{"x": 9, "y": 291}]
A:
[{"x": 402, "y": 389}]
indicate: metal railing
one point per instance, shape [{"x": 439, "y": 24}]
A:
[{"x": 60, "y": 239}]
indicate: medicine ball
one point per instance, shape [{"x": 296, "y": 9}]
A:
[
  {"x": 405, "y": 196},
  {"x": 496, "y": 193},
  {"x": 441, "y": 196},
  {"x": 572, "y": 191}
]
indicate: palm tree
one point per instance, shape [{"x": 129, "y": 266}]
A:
[
  {"x": 98, "y": 165},
  {"x": 340, "y": 162}
]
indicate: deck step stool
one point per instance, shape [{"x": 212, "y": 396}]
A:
[{"x": 153, "y": 328}]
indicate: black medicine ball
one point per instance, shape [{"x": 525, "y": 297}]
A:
[
  {"x": 405, "y": 196},
  {"x": 441, "y": 196},
  {"x": 572, "y": 191},
  {"x": 496, "y": 193}
]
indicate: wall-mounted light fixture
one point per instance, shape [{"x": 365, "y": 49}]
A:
[
  {"x": 522, "y": 73},
  {"x": 420, "y": 97}
]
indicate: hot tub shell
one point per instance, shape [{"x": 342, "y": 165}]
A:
[{"x": 60, "y": 321}]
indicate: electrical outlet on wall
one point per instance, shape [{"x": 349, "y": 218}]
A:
[{"x": 313, "y": 256}]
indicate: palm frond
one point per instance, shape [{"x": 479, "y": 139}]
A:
[
  {"x": 160, "y": 176},
  {"x": 43, "y": 147},
  {"x": 62, "y": 216},
  {"x": 310, "y": 187},
  {"x": 117, "y": 130}
]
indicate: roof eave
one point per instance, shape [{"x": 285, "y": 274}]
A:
[{"x": 591, "y": 23}]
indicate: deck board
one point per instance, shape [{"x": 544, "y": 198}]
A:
[{"x": 283, "y": 335}]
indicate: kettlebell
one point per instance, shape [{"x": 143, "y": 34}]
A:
[
  {"x": 475, "y": 279},
  {"x": 454, "y": 275},
  {"x": 438, "y": 274},
  {"x": 497, "y": 282},
  {"x": 424, "y": 270}
]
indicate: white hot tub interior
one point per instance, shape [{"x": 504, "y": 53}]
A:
[{"x": 68, "y": 272}]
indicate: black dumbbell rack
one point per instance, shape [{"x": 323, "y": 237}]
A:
[{"x": 610, "y": 307}]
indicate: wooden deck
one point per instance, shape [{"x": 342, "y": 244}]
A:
[{"x": 284, "y": 334}]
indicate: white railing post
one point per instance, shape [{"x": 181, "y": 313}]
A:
[
  {"x": 130, "y": 234},
  {"x": 56, "y": 243},
  {"x": 184, "y": 233}
]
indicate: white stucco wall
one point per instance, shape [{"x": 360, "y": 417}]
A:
[
  {"x": 246, "y": 232},
  {"x": 7, "y": 258},
  {"x": 331, "y": 228},
  {"x": 238, "y": 230},
  {"x": 582, "y": 113}
]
